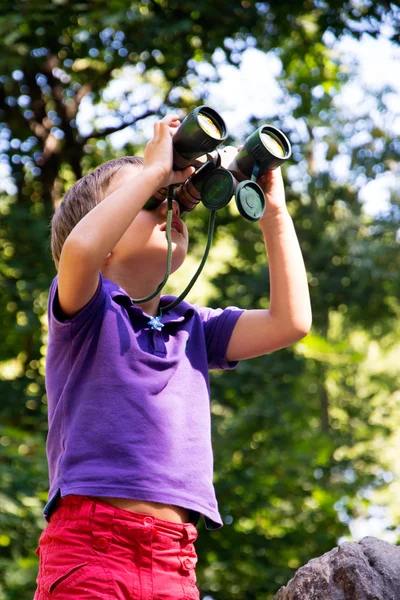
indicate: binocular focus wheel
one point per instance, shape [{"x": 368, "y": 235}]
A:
[{"x": 250, "y": 200}]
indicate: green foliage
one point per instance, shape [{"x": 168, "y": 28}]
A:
[{"x": 297, "y": 434}]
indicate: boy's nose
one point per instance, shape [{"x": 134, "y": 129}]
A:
[{"x": 175, "y": 208}]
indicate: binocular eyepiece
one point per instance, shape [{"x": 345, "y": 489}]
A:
[
  {"x": 222, "y": 173},
  {"x": 201, "y": 132}
]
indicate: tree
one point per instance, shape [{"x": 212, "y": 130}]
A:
[{"x": 282, "y": 465}]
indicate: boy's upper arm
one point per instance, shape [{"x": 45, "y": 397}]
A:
[
  {"x": 218, "y": 325},
  {"x": 256, "y": 333},
  {"x": 77, "y": 280}
]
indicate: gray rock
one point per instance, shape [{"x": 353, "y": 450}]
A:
[{"x": 368, "y": 570}]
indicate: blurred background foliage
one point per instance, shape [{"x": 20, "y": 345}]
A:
[{"x": 305, "y": 439}]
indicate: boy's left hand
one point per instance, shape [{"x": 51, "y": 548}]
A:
[{"x": 272, "y": 185}]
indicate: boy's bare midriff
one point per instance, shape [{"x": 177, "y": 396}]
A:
[{"x": 166, "y": 512}]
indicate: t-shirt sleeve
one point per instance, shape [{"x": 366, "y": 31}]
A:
[
  {"x": 218, "y": 325},
  {"x": 60, "y": 325}
]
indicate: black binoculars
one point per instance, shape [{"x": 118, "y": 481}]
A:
[{"x": 220, "y": 174}]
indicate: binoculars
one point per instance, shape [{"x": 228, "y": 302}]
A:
[{"x": 222, "y": 174}]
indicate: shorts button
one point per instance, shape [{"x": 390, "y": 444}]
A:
[
  {"x": 102, "y": 543},
  {"x": 187, "y": 563},
  {"x": 148, "y": 521}
]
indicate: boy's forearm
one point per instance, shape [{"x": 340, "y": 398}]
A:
[
  {"x": 289, "y": 296},
  {"x": 101, "y": 229}
]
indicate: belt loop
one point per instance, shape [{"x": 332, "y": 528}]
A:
[
  {"x": 86, "y": 509},
  {"x": 101, "y": 523},
  {"x": 191, "y": 532}
]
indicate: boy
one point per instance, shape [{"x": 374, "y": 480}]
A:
[{"x": 129, "y": 442}]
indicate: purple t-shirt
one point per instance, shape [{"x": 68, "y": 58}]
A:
[{"x": 129, "y": 406}]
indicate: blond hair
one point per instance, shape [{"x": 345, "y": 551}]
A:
[{"x": 81, "y": 198}]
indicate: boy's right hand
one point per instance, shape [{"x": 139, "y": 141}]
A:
[{"x": 159, "y": 152}]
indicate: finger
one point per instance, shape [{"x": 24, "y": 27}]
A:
[
  {"x": 266, "y": 176},
  {"x": 277, "y": 172},
  {"x": 265, "y": 181},
  {"x": 271, "y": 181},
  {"x": 156, "y": 134},
  {"x": 273, "y": 177},
  {"x": 163, "y": 128},
  {"x": 174, "y": 126},
  {"x": 188, "y": 172},
  {"x": 181, "y": 176},
  {"x": 170, "y": 119}
]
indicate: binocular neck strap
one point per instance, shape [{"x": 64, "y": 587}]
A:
[
  {"x": 256, "y": 171},
  {"x": 210, "y": 233}
]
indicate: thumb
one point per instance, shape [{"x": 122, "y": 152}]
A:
[
  {"x": 188, "y": 172},
  {"x": 180, "y": 176}
]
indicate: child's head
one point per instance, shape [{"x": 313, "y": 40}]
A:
[
  {"x": 145, "y": 234},
  {"x": 81, "y": 198}
]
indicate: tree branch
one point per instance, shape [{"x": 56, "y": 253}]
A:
[
  {"x": 110, "y": 130},
  {"x": 148, "y": 113}
]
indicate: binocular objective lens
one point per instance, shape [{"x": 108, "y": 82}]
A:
[
  {"x": 209, "y": 126},
  {"x": 272, "y": 144}
]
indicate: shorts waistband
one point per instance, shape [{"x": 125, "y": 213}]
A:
[{"x": 74, "y": 507}]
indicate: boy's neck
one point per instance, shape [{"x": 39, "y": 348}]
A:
[
  {"x": 151, "y": 307},
  {"x": 138, "y": 290}
]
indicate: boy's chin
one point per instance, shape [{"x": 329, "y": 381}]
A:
[
  {"x": 158, "y": 260},
  {"x": 178, "y": 258},
  {"x": 177, "y": 264}
]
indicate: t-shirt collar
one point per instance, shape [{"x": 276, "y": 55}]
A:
[{"x": 180, "y": 313}]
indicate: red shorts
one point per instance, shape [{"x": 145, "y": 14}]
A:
[{"x": 91, "y": 549}]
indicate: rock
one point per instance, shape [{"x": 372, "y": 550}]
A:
[{"x": 368, "y": 570}]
